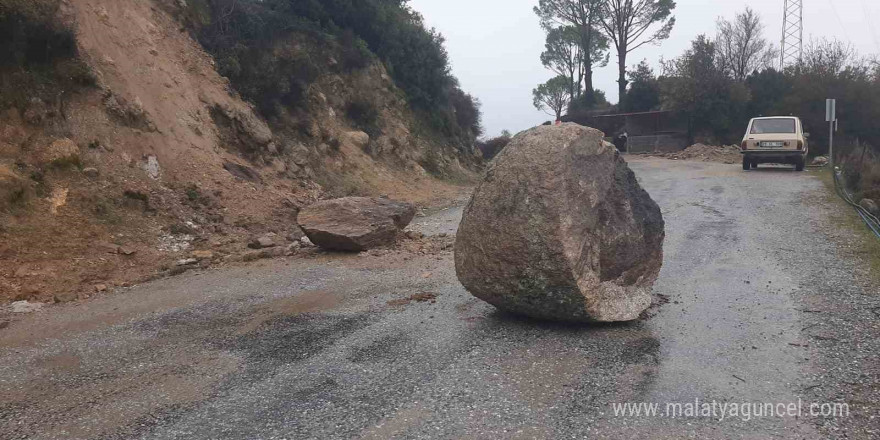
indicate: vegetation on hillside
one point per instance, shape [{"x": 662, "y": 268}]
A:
[
  {"x": 38, "y": 54},
  {"x": 246, "y": 38}
]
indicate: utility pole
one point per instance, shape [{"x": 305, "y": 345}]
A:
[
  {"x": 831, "y": 118},
  {"x": 792, "y": 34}
]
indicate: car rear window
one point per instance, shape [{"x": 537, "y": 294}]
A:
[{"x": 762, "y": 126}]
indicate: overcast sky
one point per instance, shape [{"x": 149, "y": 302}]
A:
[{"x": 495, "y": 44}]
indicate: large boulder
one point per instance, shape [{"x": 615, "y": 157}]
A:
[
  {"x": 355, "y": 223},
  {"x": 560, "y": 229}
]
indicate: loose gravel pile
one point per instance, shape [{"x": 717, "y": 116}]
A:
[{"x": 708, "y": 153}]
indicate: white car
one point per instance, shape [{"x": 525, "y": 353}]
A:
[{"x": 775, "y": 139}]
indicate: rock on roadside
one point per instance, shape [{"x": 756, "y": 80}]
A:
[
  {"x": 355, "y": 223},
  {"x": 560, "y": 229}
]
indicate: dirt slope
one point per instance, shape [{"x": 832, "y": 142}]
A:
[{"x": 167, "y": 160}]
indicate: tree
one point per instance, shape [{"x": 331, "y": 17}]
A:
[
  {"x": 583, "y": 16},
  {"x": 553, "y": 96},
  {"x": 563, "y": 56},
  {"x": 644, "y": 90},
  {"x": 742, "y": 48},
  {"x": 628, "y": 24},
  {"x": 695, "y": 84}
]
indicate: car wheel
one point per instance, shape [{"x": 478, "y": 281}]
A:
[
  {"x": 754, "y": 165},
  {"x": 747, "y": 164},
  {"x": 799, "y": 165}
]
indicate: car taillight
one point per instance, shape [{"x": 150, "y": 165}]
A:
[
  {"x": 801, "y": 145},
  {"x": 745, "y": 145}
]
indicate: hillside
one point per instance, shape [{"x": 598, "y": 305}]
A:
[{"x": 124, "y": 150}]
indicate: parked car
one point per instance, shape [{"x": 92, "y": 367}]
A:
[{"x": 776, "y": 139}]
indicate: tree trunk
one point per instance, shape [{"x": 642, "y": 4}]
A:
[{"x": 621, "y": 79}]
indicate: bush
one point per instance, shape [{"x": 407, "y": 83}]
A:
[
  {"x": 492, "y": 147},
  {"x": 245, "y": 36},
  {"x": 365, "y": 115},
  {"x": 38, "y": 53}
]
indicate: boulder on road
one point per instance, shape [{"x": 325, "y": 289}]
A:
[
  {"x": 355, "y": 223},
  {"x": 560, "y": 229},
  {"x": 820, "y": 161}
]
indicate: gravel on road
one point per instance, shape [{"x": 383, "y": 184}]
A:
[{"x": 759, "y": 300}]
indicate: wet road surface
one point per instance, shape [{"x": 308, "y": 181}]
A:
[{"x": 337, "y": 346}]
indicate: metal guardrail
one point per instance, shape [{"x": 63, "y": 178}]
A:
[{"x": 870, "y": 220}]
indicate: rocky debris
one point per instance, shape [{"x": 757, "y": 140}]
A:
[
  {"x": 242, "y": 126},
  {"x": 357, "y": 138},
  {"x": 202, "y": 255},
  {"x": 127, "y": 251},
  {"x": 272, "y": 252},
  {"x": 91, "y": 172},
  {"x": 262, "y": 242},
  {"x": 100, "y": 287},
  {"x": 65, "y": 297},
  {"x": 151, "y": 166},
  {"x": 820, "y": 161},
  {"x": 62, "y": 151},
  {"x": 708, "y": 153},
  {"x": 306, "y": 242},
  {"x": 187, "y": 262},
  {"x": 870, "y": 206},
  {"x": 242, "y": 172},
  {"x": 355, "y": 223},
  {"x": 25, "y": 307},
  {"x": 560, "y": 229}
]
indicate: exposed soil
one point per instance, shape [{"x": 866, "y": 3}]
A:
[
  {"x": 707, "y": 153},
  {"x": 172, "y": 165}
]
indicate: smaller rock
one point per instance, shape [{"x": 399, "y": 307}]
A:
[
  {"x": 187, "y": 262},
  {"x": 359, "y": 139},
  {"x": 100, "y": 287},
  {"x": 294, "y": 247},
  {"x": 266, "y": 241},
  {"x": 820, "y": 161},
  {"x": 60, "y": 152},
  {"x": 91, "y": 172},
  {"x": 122, "y": 250},
  {"x": 202, "y": 255},
  {"x": 306, "y": 242},
  {"x": 296, "y": 235},
  {"x": 65, "y": 297},
  {"x": 870, "y": 206},
  {"x": 25, "y": 307}
]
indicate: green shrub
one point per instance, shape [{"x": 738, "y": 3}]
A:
[
  {"x": 38, "y": 53},
  {"x": 250, "y": 38},
  {"x": 365, "y": 115}
]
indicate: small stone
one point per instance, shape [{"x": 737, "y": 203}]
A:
[
  {"x": 61, "y": 151},
  {"x": 65, "y": 297},
  {"x": 306, "y": 242},
  {"x": 187, "y": 262},
  {"x": 122, "y": 250},
  {"x": 266, "y": 241},
  {"x": 26, "y": 307},
  {"x": 91, "y": 172},
  {"x": 100, "y": 287},
  {"x": 202, "y": 255}
]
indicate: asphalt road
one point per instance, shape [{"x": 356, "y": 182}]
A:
[{"x": 336, "y": 346}]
